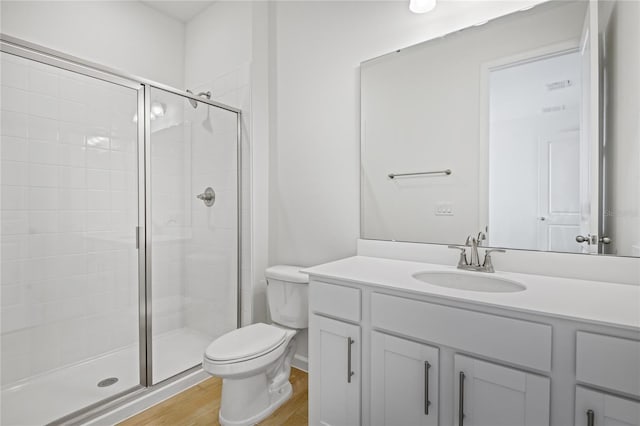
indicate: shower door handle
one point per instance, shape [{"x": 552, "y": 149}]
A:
[
  {"x": 138, "y": 236},
  {"x": 208, "y": 196}
]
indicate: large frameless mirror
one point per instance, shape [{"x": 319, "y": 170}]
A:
[{"x": 524, "y": 129}]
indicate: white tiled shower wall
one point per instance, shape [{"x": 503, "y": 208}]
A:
[
  {"x": 69, "y": 211},
  {"x": 210, "y": 292},
  {"x": 233, "y": 88}
]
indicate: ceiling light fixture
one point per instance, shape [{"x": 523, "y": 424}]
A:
[{"x": 421, "y": 6}]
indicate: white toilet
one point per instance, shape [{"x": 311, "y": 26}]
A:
[{"x": 255, "y": 361}]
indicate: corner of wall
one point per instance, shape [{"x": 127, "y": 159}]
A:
[{"x": 273, "y": 210}]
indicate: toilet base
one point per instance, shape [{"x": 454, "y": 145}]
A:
[{"x": 277, "y": 397}]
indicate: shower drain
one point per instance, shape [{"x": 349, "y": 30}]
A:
[{"x": 107, "y": 382}]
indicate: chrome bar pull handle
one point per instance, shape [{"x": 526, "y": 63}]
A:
[
  {"x": 427, "y": 403},
  {"x": 590, "y": 418},
  {"x": 461, "y": 401},
  {"x": 350, "y": 373},
  {"x": 445, "y": 172}
]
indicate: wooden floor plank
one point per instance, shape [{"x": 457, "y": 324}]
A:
[{"x": 199, "y": 406}]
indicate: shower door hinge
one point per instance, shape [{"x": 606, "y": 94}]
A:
[{"x": 138, "y": 228}]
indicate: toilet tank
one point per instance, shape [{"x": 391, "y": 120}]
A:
[{"x": 287, "y": 296}]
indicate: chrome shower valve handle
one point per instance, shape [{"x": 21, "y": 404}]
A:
[{"x": 208, "y": 197}]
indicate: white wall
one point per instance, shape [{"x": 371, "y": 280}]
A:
[
  {"x": 125, "y": 35},
  {"x": 314, "y": 179}
]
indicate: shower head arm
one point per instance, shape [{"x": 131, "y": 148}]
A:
[{"x": 193, "y": 102}]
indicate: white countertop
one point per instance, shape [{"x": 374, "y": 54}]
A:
[{"x": 591, "y": 301}]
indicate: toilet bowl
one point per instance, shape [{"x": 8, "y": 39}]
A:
[{"x": 254, "y": 361}]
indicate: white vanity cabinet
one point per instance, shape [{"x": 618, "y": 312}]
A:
[
  {"x": 426, "y": 358},
  {"x": 335, "y": 343},
  {"x": 336, "y": 382},
  {"x": 404, "y": 382},
  {"x": 491, "y": 394}
]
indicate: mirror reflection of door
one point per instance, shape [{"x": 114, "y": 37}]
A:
[
  {"x": 535, "y": 151},
  {"x": 559, "y": 197}
]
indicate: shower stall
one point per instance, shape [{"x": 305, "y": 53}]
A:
[{"x": 120, "y": 257}]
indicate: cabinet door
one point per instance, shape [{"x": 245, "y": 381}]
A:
[
  {"x": 334, "y": 372},
  {"x": 600, "y": 409},
  {"x": 404, "y": 382},
  {"x": 488, "y": 394}
]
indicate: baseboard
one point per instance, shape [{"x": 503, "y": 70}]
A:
[{"x": 301, "y": 363}]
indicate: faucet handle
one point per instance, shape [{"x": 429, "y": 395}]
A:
[
  {"x": 488, "y": 264},
  {"x": 463, "y": 255},
  {"x": 488, "y": 251}
]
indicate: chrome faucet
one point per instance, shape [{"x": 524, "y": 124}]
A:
[
  {"x": 472, "y": 242},
  {"x": 474, "y": 264}
]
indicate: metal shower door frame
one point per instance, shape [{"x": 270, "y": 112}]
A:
[
  {"x": 41, "y": 54},
  {"x": 146, "y": 306}
]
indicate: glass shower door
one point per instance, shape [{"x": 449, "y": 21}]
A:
[
  {"x": 69, "y": 329},
  {"x": 193, "y": 226}
]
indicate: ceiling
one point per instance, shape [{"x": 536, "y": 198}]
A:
[{"x": 180, "y": 10}]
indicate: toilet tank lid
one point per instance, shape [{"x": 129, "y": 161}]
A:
[{"x": 287, "y": 273}]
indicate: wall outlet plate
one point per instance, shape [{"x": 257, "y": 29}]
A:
[{"x": 444, "y": 208}]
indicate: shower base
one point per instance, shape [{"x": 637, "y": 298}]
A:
[{"x": 52, "y": 395}]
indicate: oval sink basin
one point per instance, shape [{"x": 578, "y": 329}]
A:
[{"x": 470, "y": 282}]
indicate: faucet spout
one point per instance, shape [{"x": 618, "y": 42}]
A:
[{"x": 473, "y": 243}]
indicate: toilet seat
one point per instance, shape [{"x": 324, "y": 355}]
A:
[
  {"x": 245, "y": 343},
  {"x": 268, "y": 351}
]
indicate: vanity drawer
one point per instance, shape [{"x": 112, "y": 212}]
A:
[
  {"x": 335, "y": 300},
  {"x": 608, "y": 362},
  {"x": 519, "y": 342}
]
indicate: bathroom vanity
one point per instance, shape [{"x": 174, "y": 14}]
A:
[{"x": 386, "y": 347}]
